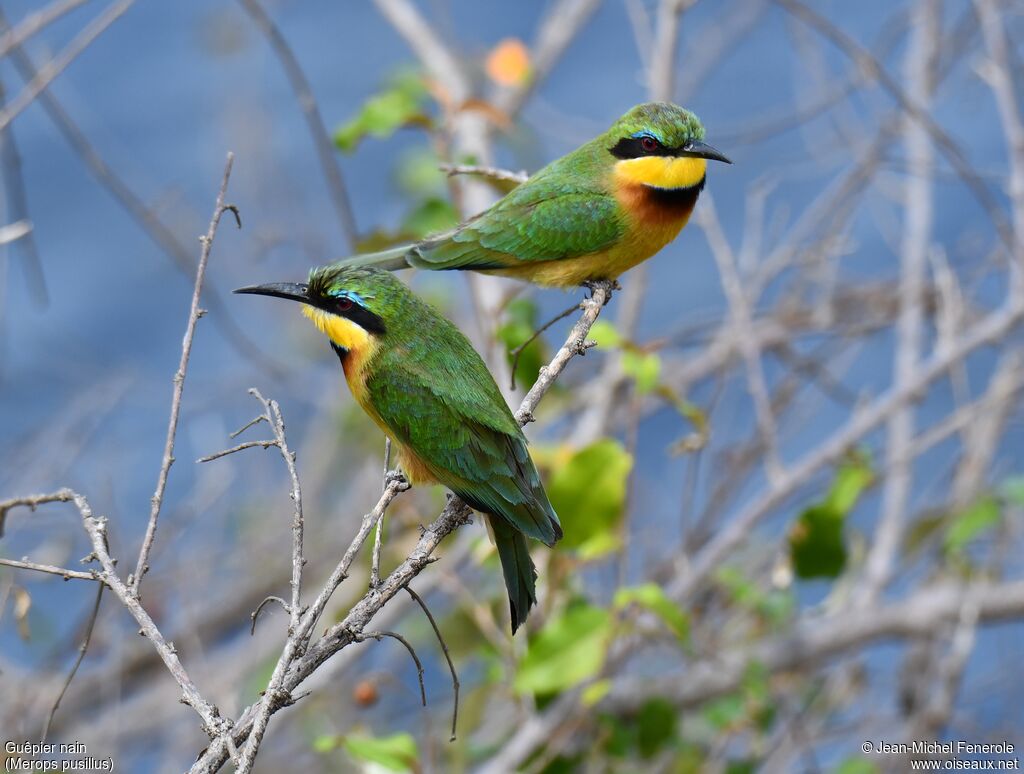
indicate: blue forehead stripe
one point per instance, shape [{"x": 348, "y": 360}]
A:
[
  {"x": 646, "y": 133},
  {"x": 349, "y": 294}
]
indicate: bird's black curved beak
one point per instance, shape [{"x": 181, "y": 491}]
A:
[
  {"x": 704, "y": 151},
  {"x": 295, "y": 291}
]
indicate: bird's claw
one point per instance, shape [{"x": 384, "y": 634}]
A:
[
  {"x": 395, "y": 476},
  {"x": 591, "y": 285}
]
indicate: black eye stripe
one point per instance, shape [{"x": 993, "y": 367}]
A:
[
  {"x": 633, "y": 148},
  {"x": 347, "y": 307}
]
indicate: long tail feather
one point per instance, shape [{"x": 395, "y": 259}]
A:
[
  {"x": 520, "y": 574},
  {"x": 392, "y": 259}
]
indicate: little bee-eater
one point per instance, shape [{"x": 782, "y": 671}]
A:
[
  {"x": 425, "y": 386},
  {"x": 591, "y": 215}
]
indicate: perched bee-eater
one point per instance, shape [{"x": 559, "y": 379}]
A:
[
  {"x": 422, "y": 382},
  {"x": 591, "y": 215}
]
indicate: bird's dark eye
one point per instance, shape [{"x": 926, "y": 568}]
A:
[
  {"x": 344, "y": 304},
  {"x": 649, "y": 144}
]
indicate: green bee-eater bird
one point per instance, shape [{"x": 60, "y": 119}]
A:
[
  {"x": 422, "y": 382},
  {"x": 591, "y": 215}
]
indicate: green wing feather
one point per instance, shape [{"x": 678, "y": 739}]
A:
[
  {"x": 545, "y": 219},
  {"x": 444, "y": 406}
]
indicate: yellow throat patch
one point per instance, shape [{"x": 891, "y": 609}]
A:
[
  {"x": 661, "y": 171},
  {"x": 347, "y": 334}
]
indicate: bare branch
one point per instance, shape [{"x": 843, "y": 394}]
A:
[
  {"x": 919, "y": 615},
  {"x": 518, "y": 351},
  {"x": 58, "y": 64},
  {"x": 86, "y": 639},
  {"x": 311, "y": 111},
  {"x": 378, "y": 531},
  {"x": 32, "y": 502},
  {"x": 574, "y": 345},
  {"x": 136, "y": 208},
  {"x": 238, "y": 448},
  {"x": 914, "y": 257},
  {"x": 179, "y": 377},
  {"x": 35, "y": 23},
  {"x": 64, "y": 572},
  {"x": 494, "y": 173}
]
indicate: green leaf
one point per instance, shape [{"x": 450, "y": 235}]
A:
[
  {"x": 652, "y": 597},
  {"x": 817, "y": 546},
  {"x": 656, "y": 725},
  {"x": 399, "y": 104},
  {"x": 853, "y": 477},
  {"x": 605, "y": 334},
  {"x": 644, "y": 367},
  {"x": 429, "y": 217},
  {"x": 725, "y": 711},
  {"x": 395, "y": 753},
  {"x": 972, "y": 523},
  {"x": 589, "y": 494},
  {"x": 569, "y": 650},
  {"x": 418, "y": 173},
  {"x": 325, "y": 743},
  {"x": 594, "y": 692},
  {"x": 521, "y": 322}
]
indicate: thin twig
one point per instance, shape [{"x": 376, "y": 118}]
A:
[
  {"x": 412, "y": 652},
  {"x": 378, "y": 531},
  {"x": 141, "y": 566},
  {"x": 873, "y": 68},
  {"x": 259, "y": 608},
  {"x": 59, "y": 63},
  {"x": 447, "y": 656},
  {"x": 90, "y": 625},
  {"x": 575, "y": 344},
  {"x": 518, "y": 351},
  {"x": 32, "y": 502},
  {"x": 311, "y": 111},
  {"x": 918, "y": 206},
  {"x": 238, "y": 448},
  {"x": 137, "y": 209},
  {"x": 63, "y": 572},
  {"x": 17, "y": 210},
  {"x": 494, "y": 173},
  {"x": 35, "y": 23}
]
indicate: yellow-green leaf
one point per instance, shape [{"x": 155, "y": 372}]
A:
[
  {"x": 644, "y": 368},
  {"x": 604, "y": 333},
  {"x": 569, "y": 650},
  {"x": 395, "y": 753},
  {"x": 589, "y": 493},
  {"x": 973, "y": 522}
]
